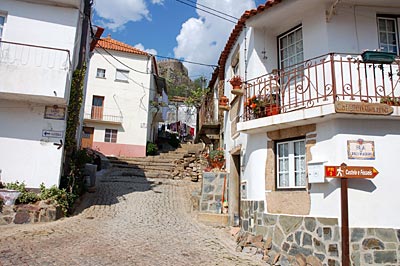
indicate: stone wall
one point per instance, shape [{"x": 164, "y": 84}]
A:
[
  {"x": 292, "y": 239},
  {"x": 375, "y": 246},
  {"x": 29, "y": 213},
  {"x": 211, "y": 192}
]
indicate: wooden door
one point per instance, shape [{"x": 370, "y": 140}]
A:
[
  {"x": 97, "y": 107},
  {"x": 87, "y": 137}
]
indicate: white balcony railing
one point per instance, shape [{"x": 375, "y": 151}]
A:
[{"x": 42, "y": 72}]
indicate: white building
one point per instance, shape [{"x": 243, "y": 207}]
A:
[
  {"x": 331, "y": 108},
  {"x": 39, "y": 50},
  {"x": 123, "y": 85}
]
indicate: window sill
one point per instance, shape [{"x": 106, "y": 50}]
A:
[
  {"x": 123, "y": 81},
  {"x": 101, "y": 77},
  {"x": 291, "y": 189}
]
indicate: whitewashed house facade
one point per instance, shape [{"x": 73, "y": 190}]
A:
[
  {"x": 332, "y": 106},
  {"x": 39, "y": 50},
  {"x": 121, "y": 113}
]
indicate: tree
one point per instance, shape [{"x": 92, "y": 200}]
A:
[{"x": 196, "y": 99}]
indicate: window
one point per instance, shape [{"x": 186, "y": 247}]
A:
[
  {"x": 388, "y": 34},
  {"x": 2, "y": 21},
  {"x": 291, "y": 48},
  {"x": 122, "y": 75},
  {"x": 235, "y": 62},
  {"x": 291, "y": 164},
  {"x": 111, "y": 135},
  {"x": 101, "y": 73}
]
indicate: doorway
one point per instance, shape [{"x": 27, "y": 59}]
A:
[
  {"x": 87, "y": 137},
  {"x": 234, "y": 190}
]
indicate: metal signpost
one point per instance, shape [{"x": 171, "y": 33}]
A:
[{"x": 345, "y": 172}]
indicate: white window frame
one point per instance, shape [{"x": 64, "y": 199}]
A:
[
  {"x": 2, "y": 25},
  {"x": 111, "y": 135},
  {"x": 386, "y": 46},
  {"x": 288, "y": 161},
  {"x": 290, "y": 50},
  {"x": 101, "y": 73},
  {"x": 122, "y": 75}
]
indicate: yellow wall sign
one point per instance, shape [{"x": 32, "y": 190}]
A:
[{"x": 361, "y": 149}]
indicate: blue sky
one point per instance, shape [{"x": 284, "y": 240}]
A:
[{"x": 170, "y": 28}]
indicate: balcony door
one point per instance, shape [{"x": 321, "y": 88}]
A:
[
  {"x": 291, "y": 65},
  {"x": 97, "y": 107},
  {"x": 388, "y": 34}
]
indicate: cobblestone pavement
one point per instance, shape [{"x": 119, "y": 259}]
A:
[{"x": 129, "y": 220}]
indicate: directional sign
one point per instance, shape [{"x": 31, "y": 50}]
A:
[
  {"x": 52, "y": 133},
  {"x": 350, "y": 171}
]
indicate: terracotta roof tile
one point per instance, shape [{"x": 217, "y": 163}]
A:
[
  {"x": 111, "y": 44},
  {"x": 235, "y": 34}
]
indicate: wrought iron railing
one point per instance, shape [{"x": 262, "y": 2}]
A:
[
  {"x": 28, "y": 55},
  {"x": 320, "y": 81},
  {"x": 98, "y": 113}
]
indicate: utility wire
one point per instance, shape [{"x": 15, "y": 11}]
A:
[
  {"x": 119, "y": 61},
  {"x": 180, "y": 1},
  {"x": 166, "y": 57},
  {"x": 185, "y": 61},
  {"x": 220, "y": 12}
]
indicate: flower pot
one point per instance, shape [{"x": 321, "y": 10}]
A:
[
  {"x": 224, "y": 107},
  {"x": 272, "y": 109},
  {"x": 237, "y": 90},
  {"x": 217, "y": 164}
]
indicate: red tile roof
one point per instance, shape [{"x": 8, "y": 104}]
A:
[
  {"x": 111, "y": 44},
  {"x": 235, "y": 34}
]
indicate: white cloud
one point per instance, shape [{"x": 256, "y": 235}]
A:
[
  {"x": 157, "y": 2},
  {"x": 141, "y": 47},
  {"x": 208, "y": 34},
  {"x": 115, "y": 14}
]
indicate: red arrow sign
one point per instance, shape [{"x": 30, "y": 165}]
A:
[{"x": 350, "y": 171}]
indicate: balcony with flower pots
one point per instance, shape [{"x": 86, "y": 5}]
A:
[{"x": 332, "y": 85}]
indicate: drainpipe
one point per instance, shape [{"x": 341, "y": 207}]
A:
[{"x": 85, "y": 25}]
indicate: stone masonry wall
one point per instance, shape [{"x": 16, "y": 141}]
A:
[
  {"x": 317, "y": 240},
  {"x": 211, "y": 192}
]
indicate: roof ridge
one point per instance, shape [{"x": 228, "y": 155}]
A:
[{"x": 112, "y": 44}]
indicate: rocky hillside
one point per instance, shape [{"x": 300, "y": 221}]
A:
[{"x": 176, "y": 74}]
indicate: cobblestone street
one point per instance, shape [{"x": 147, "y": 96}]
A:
[{"x": 129, "y": 220}]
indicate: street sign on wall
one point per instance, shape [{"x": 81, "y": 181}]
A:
[{"x": 350, "y": 171}]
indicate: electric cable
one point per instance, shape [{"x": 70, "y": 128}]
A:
[
  {"x": 180, "y": 1},
  {"x": 220, "y": 12}
]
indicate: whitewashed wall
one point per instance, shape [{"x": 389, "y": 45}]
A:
[
  {"x": 25, "y": 155},
  {"x": 372, "y": 202},
  {"x": 41, "y": 25},
  {"x": 129, "y": 99}
]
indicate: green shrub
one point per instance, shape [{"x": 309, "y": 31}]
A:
[
  {"x": 151, "y": 148},
  {"x": 26, "y": 196},
  {"x": 57, "y": 196},
  {"x": 174, "y": 140}
]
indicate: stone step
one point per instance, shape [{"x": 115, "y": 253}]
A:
[
  {"x": 144, "y": 163},
  {"x": 145, "y": 159},
  {"x": 146, "y": 167}
]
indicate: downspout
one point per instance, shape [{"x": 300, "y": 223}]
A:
[{"x": 85, "y": 26}]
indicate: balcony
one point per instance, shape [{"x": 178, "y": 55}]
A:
[
  {"x": 34, "y": 73},
  {"x": 332, "y": 84},
  {"x": 209, "y": 126},
  {"x": 98, "y": 114},
  {"x": 62, "y": 3}
]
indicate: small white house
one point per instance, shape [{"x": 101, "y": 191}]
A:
[
  {"x": 39, "y": 50},
  {"x": 312, "y": 98},
  {"x": 122, "y": 109}
]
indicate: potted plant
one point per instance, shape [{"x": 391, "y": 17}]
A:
[
  {"x": 236, "y": 82},
  {"x": 223, "y": 103},
  {"x": 256, "y": 106},
  {"x": 272, "y": 104},
  {"x": 217, "y": 158}
]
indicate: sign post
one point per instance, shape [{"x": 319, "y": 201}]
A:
[{"x": 345, "y": 172}]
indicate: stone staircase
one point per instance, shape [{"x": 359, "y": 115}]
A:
[{"x": 158, "y": 166}]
